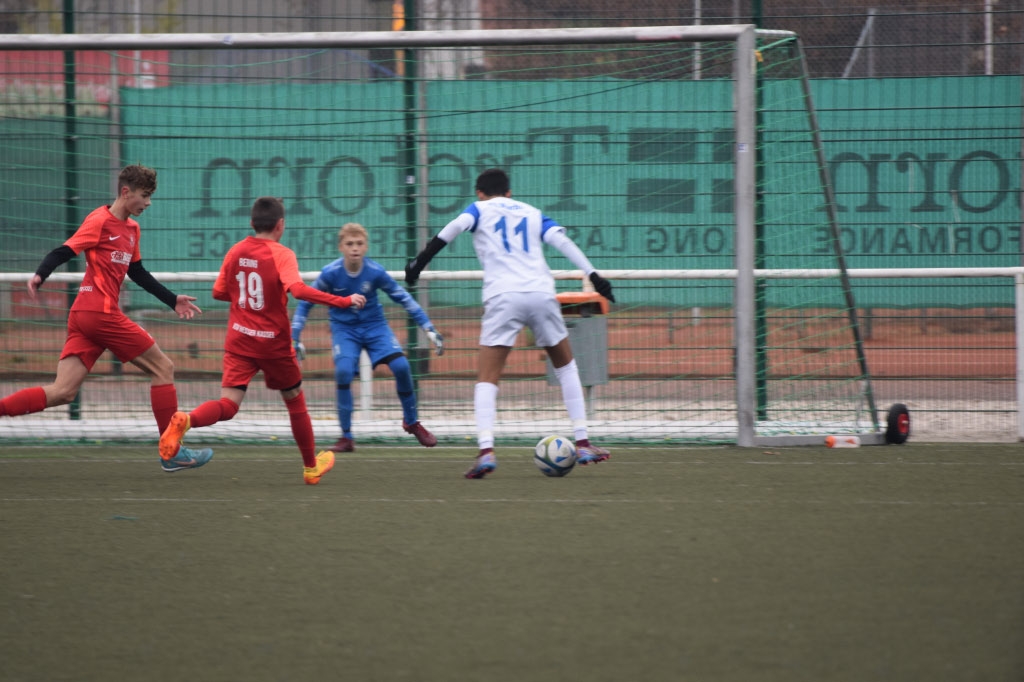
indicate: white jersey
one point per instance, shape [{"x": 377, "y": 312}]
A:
[{"x": 508, "y": 237}]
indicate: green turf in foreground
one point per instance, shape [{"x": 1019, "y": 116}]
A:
[{"x": 900, "y": 563}]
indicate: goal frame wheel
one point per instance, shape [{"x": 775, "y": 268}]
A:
[{"x": 897, "y": 424}]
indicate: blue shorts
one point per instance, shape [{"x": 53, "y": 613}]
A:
[{"x": 347, "y": 341}]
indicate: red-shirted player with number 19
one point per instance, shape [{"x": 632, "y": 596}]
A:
[{"x": 256, "y": 277}]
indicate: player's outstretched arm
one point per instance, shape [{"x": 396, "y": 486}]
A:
[
  {"x": 302, "y": 310},
  {"x": 435, "y": 338},
  {"x": 298, "y": 324},
  {"x": 403, "y": 298},
  {"x": 299, "y": 319},
  {"x": 304, "y": 292},
  {"x": 558, "y": 239},
  {"x": 186, "y": 308},
  {"x": 34, "y": 282},
  {"x": 179, "y": 303},
  {"x": 414, "y": 267},
  {"x": 399, "y": 295},
  {"x": 602, "y": 286},
  {"x": 60, "y": 255}
]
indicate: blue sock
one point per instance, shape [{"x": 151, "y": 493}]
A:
[
  {"x": 403, "y": 383},
  {"x": 344, "y": 402}
]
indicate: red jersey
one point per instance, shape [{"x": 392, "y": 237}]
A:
[
  {"x": 255, "y": 278},
  {"x": 110, "y": 246}
]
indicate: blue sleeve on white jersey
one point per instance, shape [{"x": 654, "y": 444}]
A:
[
  {"x": 475, "y": 212},
  {"x": 389, "y": 286},
  {"x": 464, "y": 222},
  {"x": 546, "y": 224},
  {"x": 560, "y": 240}
]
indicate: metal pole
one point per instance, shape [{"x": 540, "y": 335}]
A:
[
  {"x": 365, "y": 385},
  {"x": 137, "y": 70},
  {"x": 988, "y": 37},
  {"x": 70, "y": 168},
  {"x": 697, "y": 65},
  {"x": 1018, "y": 316},
  {"x": 866, "y": 37},
  {"x": 397, "y": 40},
  {"x": 1018, "y": 312},
  {"x": 409, "y": 158},
  {"x": 871, "y": 44},
  {"x": 760, "y": 286},
  {"x": 833, "y": 224},
  {"x": 745, "y": 200},
  {"x": 423, "y": 178}
]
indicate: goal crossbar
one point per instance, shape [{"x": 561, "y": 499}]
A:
[{"x": 381, "y": 39}]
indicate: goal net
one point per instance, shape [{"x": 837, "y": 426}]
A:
[{"x": 683, "y": 160}]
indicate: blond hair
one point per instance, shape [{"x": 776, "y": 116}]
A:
[{"x": 353, "y": 229}]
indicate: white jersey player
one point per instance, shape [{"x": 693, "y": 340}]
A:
[{"x": 518, "y": 291}]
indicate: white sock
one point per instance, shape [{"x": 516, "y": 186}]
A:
[
  {"x": 485, "y": 401},
  {"x": 572, "y": 394}
]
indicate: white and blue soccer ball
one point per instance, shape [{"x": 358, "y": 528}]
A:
[{"x": 555, "y": 456}]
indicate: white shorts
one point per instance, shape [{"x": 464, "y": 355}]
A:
[{"x": 506, "y": 314}]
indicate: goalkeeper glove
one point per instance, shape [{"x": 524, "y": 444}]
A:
[
  {"x": 300, "y": 350},
  {"x": 436, "y": 339},
  {"x": 602, "y": 286}
]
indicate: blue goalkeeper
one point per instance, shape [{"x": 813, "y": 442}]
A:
[{"x": 355, "y": 329}]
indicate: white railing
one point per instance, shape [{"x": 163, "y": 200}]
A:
[{"x": 366, "y": 375}]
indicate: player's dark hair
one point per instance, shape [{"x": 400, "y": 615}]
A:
[
  {"x": 266, "y": 211},
  {"x": 137, "y": 177},
  {"x": 493, "y": 182}
]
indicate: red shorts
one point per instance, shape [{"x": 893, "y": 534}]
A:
[
  {"x": 279, "y": 374},
  {"x": 91, "y": 332}
]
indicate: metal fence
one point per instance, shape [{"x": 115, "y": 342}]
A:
[
  {"x": 843, "y": 38},
  {"x": 927, "y": 170}
]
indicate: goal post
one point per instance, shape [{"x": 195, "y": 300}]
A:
[
  {"x": 789, "y": 44},
  {"x": 657, "y": 156}
]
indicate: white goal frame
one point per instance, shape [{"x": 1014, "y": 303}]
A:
[{"x": 742, "y": 36}]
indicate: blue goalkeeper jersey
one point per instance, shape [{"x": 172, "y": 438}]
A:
[{"x": 336, "y": 280}]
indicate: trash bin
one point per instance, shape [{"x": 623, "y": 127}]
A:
[{"x": 585, "y": 318}]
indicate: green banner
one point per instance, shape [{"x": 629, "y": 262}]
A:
[{"x": 926, "y": 172}]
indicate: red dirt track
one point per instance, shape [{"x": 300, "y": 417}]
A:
[{"x": 948, "y": 346}]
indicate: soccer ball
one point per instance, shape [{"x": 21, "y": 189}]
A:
[{"x": 555, "y": 456}]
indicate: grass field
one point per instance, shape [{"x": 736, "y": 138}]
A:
[{"x": 713, "y": 563}]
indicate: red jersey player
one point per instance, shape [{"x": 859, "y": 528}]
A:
[
  {"x": 109, "y": 238},
  {"x": 256, "y": 277}
]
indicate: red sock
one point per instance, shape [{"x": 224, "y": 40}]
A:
[
  {"x": 302, "y": 429},
  {"x": 212, "y": 411},
  {"x": 164, "y": 399},
  {"x": 25, "y": 401}
]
